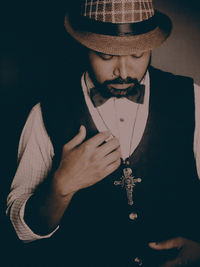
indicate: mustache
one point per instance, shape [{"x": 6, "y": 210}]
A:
[
  {"x": 106, "y": 91},
  {"x": 119, "y": 80}
]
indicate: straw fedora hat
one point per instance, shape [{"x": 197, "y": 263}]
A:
[{"x": 118, "y": 27}]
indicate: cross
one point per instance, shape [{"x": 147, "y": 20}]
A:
[{"x": 129, "y": 182}]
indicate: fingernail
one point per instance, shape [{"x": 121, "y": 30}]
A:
[
  {"x": 153, "y": 243},
  {"x": 109, "y": 138}
]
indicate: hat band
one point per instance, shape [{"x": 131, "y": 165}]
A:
[{"x": 85, "y": 24}]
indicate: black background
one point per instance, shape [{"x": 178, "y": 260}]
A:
[{"x": 32, "y": 50}]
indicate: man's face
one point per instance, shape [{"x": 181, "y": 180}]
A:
[{"x": 118, "y": 73}]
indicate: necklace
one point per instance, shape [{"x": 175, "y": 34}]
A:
[{"x": 127, "y": 180}]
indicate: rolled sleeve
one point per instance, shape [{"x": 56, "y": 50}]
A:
[
  {"x": 35, "y": 155},
  {"x": 17, "y": 218}
]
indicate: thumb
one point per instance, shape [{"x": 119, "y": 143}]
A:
[
  {"x": 168, "y": 244},
  {"x": 77, "y": 140}
]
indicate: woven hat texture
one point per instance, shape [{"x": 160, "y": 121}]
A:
[
  {"x": 118, "y": 11},
  {"x": 95, "y": 24}
]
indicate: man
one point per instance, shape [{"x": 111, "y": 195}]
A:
[{"x": 124, "y": 190}]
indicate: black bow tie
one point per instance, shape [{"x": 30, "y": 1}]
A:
[{"x": 136, "y": 95}]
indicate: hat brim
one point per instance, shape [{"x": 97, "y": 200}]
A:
[{"x": 123, "y": 45}]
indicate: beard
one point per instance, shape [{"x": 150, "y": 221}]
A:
[
  {"x": 107, "y": 90},
  {"x": 107, "y": 87}
]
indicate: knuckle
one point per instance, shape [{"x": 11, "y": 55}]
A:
[
  {"x": 117, "y": 155},
  {"x": 102, "y": 135},
  {"x": 114, "y": 141},
  {"x": 106, "y": 136},
  {"x": 106, "y": 133},
  {"x": 87, "y": 147},
  {"x": 117, "y": 163}
]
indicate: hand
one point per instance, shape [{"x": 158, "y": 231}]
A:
[
  {"x": 189, "y": 251},
  {"x": 83, "y": 164}
]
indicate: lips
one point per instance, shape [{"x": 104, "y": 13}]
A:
[{"x": 121, "y": 86}]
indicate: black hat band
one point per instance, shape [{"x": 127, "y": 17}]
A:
[{"x": 85, "y": 24}]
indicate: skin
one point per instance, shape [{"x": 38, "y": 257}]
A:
[
  {"x": 85, "y": 163},
  {"x": 95, "y": 163},
  {"x": 189, "y": 251},
  {"x": 107, "y": 67}
]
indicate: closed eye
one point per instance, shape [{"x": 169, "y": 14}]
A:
[
  {"x": 105, "y": 56},
  {"x": 137, "y": 54}
]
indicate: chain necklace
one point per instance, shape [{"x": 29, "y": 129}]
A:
[{"x": 127, "y": 180}]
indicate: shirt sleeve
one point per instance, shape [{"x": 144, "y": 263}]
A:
[
  {"x": 197, "y": 128},
  {"x": 35, "y": 155}
]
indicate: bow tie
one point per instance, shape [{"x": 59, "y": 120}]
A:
[{"x": 136, "y": 95}]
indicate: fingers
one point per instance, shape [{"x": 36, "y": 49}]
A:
[
  {"x": 98, "y": 139},
  {"x": 112, "y": 167},
  {"x": 108, "y": 147},
  {"x": 112, "y": 158},
  {"x": 77, "y": 140},
  {"x": 92, "y": 142},
  {"x": 168, "y": 244},
  {"x": 189, "y": 251}
]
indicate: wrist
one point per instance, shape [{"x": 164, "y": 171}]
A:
[{"x": 60, "y": 187}]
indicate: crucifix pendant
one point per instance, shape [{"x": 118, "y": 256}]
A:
[{"x": 128, "y": 181}]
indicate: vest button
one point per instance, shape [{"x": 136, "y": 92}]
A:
[
  {"x": 133, "y": 216},
  {"x": 138, "y": 261}
]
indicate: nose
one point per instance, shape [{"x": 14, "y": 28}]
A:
[{"x": 121, "y": 68}]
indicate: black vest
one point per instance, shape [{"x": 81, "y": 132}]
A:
[{"x": 96, "y": 229}]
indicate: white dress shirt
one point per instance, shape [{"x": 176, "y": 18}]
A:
[{"x": 125, "y": 119}]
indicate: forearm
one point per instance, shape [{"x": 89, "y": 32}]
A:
[
  {"x": 81, "y": 166},
  {"x": 44, "y": 210}
]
